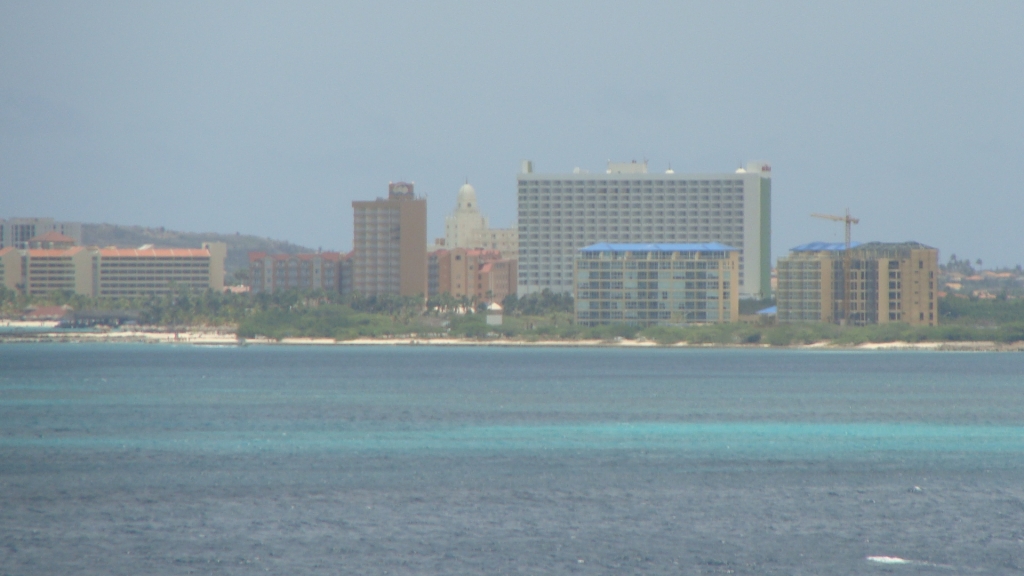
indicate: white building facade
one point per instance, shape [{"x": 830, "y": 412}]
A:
[
  {"x": 562, "y": 213},
  {"x": 467, "y": 228},
  {"x": 462, "y": 227}
]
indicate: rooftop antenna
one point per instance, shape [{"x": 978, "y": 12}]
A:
[{"x": 845, "y": 320}]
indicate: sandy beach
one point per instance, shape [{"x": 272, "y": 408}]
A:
[{"x": 26, "y": 332}]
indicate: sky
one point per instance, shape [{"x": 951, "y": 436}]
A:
[{"x": 271, "y": 118}]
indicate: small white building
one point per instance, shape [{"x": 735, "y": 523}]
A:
[{"x": 494, "y": 314}]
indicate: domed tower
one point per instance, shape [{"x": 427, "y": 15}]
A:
[
  {"x": 467, "y": 199},
  {"x": 462, "y": 227}
]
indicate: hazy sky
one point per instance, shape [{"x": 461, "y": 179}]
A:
[{"x": 270, "y": 119}]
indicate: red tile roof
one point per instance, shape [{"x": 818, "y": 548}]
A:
[
  {"x": 484, "y": 253},
  {"x": 53, "y": 236},
  {"x": 328, "y": 256},
  {"x": 154, "y": 252},
  {"x": 54, "y": 252}
]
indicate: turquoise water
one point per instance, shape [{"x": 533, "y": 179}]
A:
[
  {"x": 736, "y": 440},
  {"x": 170, "y": 459}
]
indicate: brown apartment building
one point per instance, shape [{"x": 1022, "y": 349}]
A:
[
  {"x": 888, "y": 282},
  {"x": 314, "y": 271},
  {"x": 390, "y": 244}
]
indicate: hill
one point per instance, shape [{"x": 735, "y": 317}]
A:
[{"x": 239, "y": 245}]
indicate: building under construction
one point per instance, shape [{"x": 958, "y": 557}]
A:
[{"x": 887, "y": 282}]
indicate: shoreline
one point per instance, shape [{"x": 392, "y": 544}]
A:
[{"x": 225, "y": 337}]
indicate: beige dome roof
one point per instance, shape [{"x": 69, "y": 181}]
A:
[{"x": 467, "y": 197}]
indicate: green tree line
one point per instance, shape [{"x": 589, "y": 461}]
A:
[{"x": 533, "y": 317}]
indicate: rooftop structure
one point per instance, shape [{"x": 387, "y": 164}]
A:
[
  {"x": 51, "y": 239},
  {"x": 17, "y": 232}
]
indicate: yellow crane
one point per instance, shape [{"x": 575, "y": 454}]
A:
[{"x": 845, "y": 320}]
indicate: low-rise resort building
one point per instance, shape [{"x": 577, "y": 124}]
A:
[{"x": 52, "y": 262}]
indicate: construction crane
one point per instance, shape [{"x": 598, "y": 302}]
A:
[{"x": 846, "y": 260}]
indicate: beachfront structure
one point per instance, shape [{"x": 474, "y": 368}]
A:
[
  {"x": 313, "y": 271},
  {"x": 888, "y": 282},
  {"x": 113, "y": 272},
  {"x": 390, "y": 244},
  {"x": 656, "y": 284},
  {"x": 479, "y": 275},
  {"x": 561, "y": 213},
  {"x": 16, "y": 232},
  {"x": 466, "y": 227}
]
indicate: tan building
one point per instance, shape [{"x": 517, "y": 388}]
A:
[
  {"x": 439, "y": 272},
  {"x": 70, "y": 269},
  {"x": 218, "y": 255},
  {"x": 10, "y": 268},
  {"x": 504, "y": 240},
  {"x": 657, "y": 284},
  {"x": 888, "y": 282},
  {"x": 132, "y": 272},
  {"x": 390, "y": 244},
  {"x": 497, "y": 279},
  {"x": 316, "y": 271},
  {"x": 480, "y": 275},
  {"x": 113, "y": 272}
]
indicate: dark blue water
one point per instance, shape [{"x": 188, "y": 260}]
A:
[{"x": 176, "y": 460}]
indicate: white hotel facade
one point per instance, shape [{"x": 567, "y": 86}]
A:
[{"x": 562, "y": 213}]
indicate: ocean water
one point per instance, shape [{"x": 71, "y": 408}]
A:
[{"x": 143, "y": 459}]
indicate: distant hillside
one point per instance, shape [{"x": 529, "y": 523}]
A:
[{"x": 239, "y": 245}]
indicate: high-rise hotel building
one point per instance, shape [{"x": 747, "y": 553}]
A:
[
  {"x": 562, "y": 213},
  {"x": 390, "y": 244}
]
